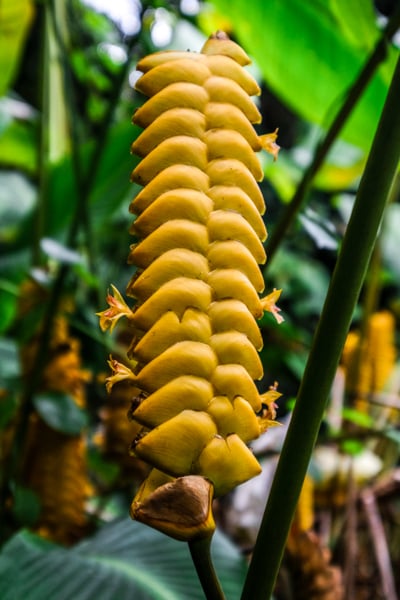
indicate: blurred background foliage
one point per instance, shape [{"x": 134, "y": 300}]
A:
[{"x": 67, "y": 71}]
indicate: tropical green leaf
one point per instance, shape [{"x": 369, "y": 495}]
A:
[
  {"x": 307, "y": 60},
  {"x": 357, "y": 417},
  {"x": 111, "y": 182},
  {"x": 18, "y": 146},
  {"x": 352, "y": 446},
  {"x": 124, "y": 560},
  {"x": 26, "y": 505},
  {"x": 357, "y": 21},
  {"x": 343, "y": 165},
  {"x": 8, "y": 408},
  {"x": 16, "y": 17},
  {"x": 303, "y": 280},
  {"x": 60, "y": 412},
  {"x": 8, "y": 305}
]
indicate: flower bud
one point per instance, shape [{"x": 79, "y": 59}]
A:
[{"x": 181, "y": 508}]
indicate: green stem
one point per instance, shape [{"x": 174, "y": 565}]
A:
[
  {"x": 353, "y": 96},
  {"x": 201, "y": 556},
  {"x": 328, "y": 342},
  {"x": 43, "y": 158}
]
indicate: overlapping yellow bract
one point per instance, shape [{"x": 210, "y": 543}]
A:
[{"x": 200, "y": 231}]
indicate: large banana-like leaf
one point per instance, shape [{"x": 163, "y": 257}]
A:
[
  {"x": 311, "y": 52},
  {"x": 124, "y": 560}
]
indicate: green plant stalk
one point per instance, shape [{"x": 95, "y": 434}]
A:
[
  {"x": 201, "y": 557},
  {"x": 43, "y": 142},
  {"x": 342, "y": 296},
  {"x": 354, "y": 94}
]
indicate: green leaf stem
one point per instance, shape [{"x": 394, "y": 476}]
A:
[{"x": 328, "y": 342}]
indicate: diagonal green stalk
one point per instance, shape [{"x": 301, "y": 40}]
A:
[
  {"x": 342, "y": 296},
  {"x": 353, "y": 96},
  {"x": 200, "y": 551}
]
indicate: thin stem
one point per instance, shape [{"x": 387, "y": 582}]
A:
[
  {"x": 201, "y": 556},
  {"x": 328, "y": 342},
  {"x": 43, "y": 155},
  {"x": 350, "y": 537},
  {"x": 353, "y": 96},
  {"x": 379, "y": 543}
]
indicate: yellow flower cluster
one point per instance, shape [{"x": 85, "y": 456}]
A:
[
  {"x": 56, "y": 470},
  {"x": 54, "y": 464},
  {"x": 116, "y": 433},
  {"x": 197, "y": 283},
  {"x": 369, "y": 362}
]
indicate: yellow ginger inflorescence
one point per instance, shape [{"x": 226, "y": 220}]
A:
[
  {"x": 54, "y": 464},
  {"x": 116, "y": 432},
  {"x": 56, "y": 469},
  {"x": 370, "y": 362},
  {"x": 197, "y": 284}
]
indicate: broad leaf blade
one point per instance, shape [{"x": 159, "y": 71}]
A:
[
  {"x": 308, "y": 62},
  {"x": 123, "y": 560},
  {"x": 15, "y": 20}
]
